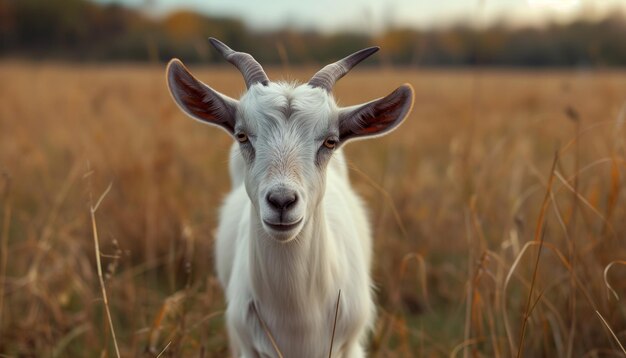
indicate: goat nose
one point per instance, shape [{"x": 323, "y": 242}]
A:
[{"x": 282, "y": 199}]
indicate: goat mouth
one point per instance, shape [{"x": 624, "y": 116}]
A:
[{"x": 283, "y": 226}]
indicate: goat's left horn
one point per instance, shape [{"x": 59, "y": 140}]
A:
[
  {"x": 250, "y": 69},
  {"x": 327, "y": 76}
]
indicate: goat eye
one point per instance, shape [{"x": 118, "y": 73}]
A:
[
  {"x": 330, "y": 143},
  {"x": 242, "y": 137}
]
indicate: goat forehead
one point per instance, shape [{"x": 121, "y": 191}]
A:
[{"x": 281, "y": 108}]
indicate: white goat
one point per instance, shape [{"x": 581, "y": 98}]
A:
[{"x": 292, "y": 232}]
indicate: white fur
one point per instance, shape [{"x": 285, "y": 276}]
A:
[{"x": 294, "y": 285}]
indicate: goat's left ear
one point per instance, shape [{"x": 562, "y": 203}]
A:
[{"x": 377, "y": 117}]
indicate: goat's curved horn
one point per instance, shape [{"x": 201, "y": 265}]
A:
[
  {"x": 250, "y": 69},
  {"x": 327, "y": 76}
]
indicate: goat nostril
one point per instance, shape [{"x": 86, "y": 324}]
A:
[
  {"x": 272, "y": 199},
  {"x": 282, "y": 199},
  {"x": 291, "y": 199}
]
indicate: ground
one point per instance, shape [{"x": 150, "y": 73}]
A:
[{"x": 460, "y": 197}]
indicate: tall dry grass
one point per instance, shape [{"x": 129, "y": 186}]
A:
[{"x": 498, "y": 211}]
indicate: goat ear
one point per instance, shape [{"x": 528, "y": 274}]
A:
[
  {"x": 198, "y": 100},
  {"x": 377, "y": 117}
]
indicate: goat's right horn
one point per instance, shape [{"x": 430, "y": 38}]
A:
[
  {"x": 250, "y": 69},
  {"x": 327, "y": 76}
]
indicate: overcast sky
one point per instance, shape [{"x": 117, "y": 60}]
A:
[{"x": 375, "y": 15}]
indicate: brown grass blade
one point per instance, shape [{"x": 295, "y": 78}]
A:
[
  {"x": 170, "y": 305},
  {"x": 585, "y": 201},
  {"x": 539, "y": 236},
  {"x": 606, "y": 324},
  {"x": 153, "y": 335},
  {"x": 606, "y": 279},
  {"x": 332, "y": 337},
  {"x": 99, "y": 265},
  {"x": 563, "y": 260},
  {"x": 267, "y": 332},
  {"x": 164, "y": 349}
]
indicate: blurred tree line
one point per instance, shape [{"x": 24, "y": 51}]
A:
[{"x": 80, "y": 30}]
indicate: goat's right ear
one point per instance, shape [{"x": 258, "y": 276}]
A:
[
  {"x": 377, "y": 117},
  {"x": 198, "y": 100}
]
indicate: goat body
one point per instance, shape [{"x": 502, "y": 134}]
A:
[{"x": 294, "y": 287}]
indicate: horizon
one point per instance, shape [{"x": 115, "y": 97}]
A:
[{"x": 372, "y": 17}]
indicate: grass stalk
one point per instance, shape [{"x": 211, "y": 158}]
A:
[
  {"x": 92, "y": 211},
  {"x": 332, "y": 337},
  {"x": 540, "y": 236}
]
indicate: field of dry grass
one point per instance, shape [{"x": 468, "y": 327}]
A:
[{"x": 491, "y": 166}]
